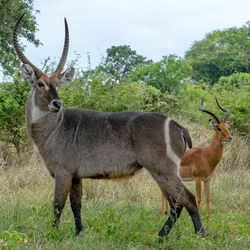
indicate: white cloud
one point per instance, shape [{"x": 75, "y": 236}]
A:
[{"x": 151, "y": 27}]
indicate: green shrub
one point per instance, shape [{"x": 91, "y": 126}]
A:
[
  {"x": 232, "y": 93},
  {"x": 12, "y": 112},
  {"x": 126, "y": 96}
]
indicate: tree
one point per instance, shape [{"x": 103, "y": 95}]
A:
[
  {"x": 220, "y": 53},
  {"x": 10, "y": 11},
  {"x": 166, "y": 75},
  {"x": 121, "y": 61},
  {"x": 12, "y": 113}
]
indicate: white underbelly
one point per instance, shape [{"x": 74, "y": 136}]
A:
[{"x": 188, "y": 179}]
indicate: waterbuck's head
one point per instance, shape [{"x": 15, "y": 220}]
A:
[
  {"x": 221, "y": 128},
  {"x": 44, "y": 88}
]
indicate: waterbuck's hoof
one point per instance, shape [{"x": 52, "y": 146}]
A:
[
  {"x": 202, "y": 234},
  {"x": 78, "y": 231}
]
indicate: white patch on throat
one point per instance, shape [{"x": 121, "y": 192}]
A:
[
  {"x": 170, "y": 153},
  {"x": 36, "y": 112}
]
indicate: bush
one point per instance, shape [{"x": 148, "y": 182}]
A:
[
  {"x": 12, "y": 112},
  {"x": 232, "y": 93},
  {"x": 126, "y": 96}
]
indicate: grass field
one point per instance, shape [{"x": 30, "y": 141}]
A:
[{"x": 122, "y": 215}]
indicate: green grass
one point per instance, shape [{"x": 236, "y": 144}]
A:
[
  {"x": 125, "y": 215},
  {"x": 117, "y": 215}
]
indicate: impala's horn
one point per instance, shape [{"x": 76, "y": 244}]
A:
[
  {"x": 209, "y": 112},
  {"x": 225, "y": 110},
  {"x": 19, "y": 51}
]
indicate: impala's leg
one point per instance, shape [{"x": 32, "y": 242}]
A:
[
  {"x": 76, "y": 202},
  {"x": 167, "y": 207},
  {"x": 207, "y": 195},
  {"x": 198, "y": 191},
  {"x": 164, "y": 203},
  {"x": 62, "y": 187}
]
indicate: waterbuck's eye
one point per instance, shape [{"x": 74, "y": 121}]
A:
[
  {"x": 41, "y": 84},
  {"x": 219, "y": 128}
]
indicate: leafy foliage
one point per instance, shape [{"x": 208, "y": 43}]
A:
[
  {"x": 126, "y": 96},
  {"x": 10, "y": 11},
  {"x": 121, "y": 61},
  {"x": 232, "y": 93},
  {"x": 220, "y": 53},
  {"x": 168, "y": 74},
  {"x": 12, "y": 113}
]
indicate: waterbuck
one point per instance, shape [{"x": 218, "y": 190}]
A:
[{"x": 77, "y": 143}]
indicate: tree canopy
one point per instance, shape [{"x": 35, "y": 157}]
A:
[
  {"x": 220, "y": 53},
  {"x": 121, "y": 61},
  {"x": 167, "y": 75},
  {"x": 10, "y": 11}
]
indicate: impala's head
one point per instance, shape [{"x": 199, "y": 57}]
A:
[
  {"x": 45, "y": 87},
  {"x": 220, "y": 128}
]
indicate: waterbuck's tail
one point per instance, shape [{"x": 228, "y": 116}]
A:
[{"x": 186, "y": 135}]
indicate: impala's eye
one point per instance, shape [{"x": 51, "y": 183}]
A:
[
  {"x": 219, "y": 128},
  {"x": 41, "y": 84}
]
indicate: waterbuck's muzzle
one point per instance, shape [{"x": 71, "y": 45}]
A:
[{"x": 55, "y": 105}]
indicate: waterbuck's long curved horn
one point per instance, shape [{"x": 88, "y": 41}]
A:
[
  {"x": 225, "y": 110},
  {"x": 64, "y": 53},
  {"x": 19, "y": 51},
  {"x": 209, "y": 112}
]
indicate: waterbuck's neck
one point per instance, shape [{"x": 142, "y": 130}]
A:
[{"x": 41, "y": 125}]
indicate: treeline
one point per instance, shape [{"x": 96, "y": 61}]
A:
[{"x": 125, "y": 81}]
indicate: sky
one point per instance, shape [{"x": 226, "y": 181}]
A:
[{"x": 154, "y": 28}]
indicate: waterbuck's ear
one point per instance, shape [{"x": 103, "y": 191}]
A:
[
  {"x": 28, "y": 74},
  {"x": 67, "y": 76},
  {"x": 212, "y": 124}
]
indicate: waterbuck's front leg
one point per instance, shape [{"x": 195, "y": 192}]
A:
[
  {"x": 62, "y": 186},
  {"x": 76, "y": 202}
]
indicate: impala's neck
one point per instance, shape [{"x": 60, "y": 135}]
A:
[
  {"x": 41, "y": 125},
  {"x": 215, "y": 150}
]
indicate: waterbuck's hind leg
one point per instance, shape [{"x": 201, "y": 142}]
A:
[
  {"x": 62, "y": 186},
  {"x": 175, "y": 212},
  {"x": 76, "y": 202},
  {"x": 178, "y": 197}
]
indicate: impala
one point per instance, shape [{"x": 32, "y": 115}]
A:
[
  {"x": 199, "y": 164},
  {"x": 77, "y": 143}
]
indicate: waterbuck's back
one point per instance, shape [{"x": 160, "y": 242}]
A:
[{"x": 92, "y": 144}]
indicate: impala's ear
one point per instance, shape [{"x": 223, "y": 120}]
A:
[
  {"x": 67, "y": 76},
  {"x": 229, "y": 124},
  {"x": 212, "y": 124},
  {"x": 28, "y": 74}
]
